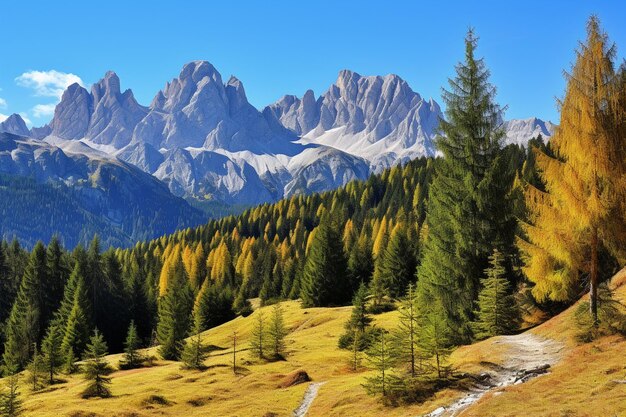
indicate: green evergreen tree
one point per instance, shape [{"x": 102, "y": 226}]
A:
[
  {"x": 113, "y": 302},
  {"x": 174, "y": 312},
  {"x": 214, "y": 305},
  {"x": 57, "y": 276},
  {"x": 8, "y": 287},
  {"x": 132, "y": 358},
  {"x": 380, "y": 358},
  {"x": 324, "y": 281},
  {"x": 76, "y": 332},
  {"x": 140, "y": 310},
  {"x": 51, "y": 350},
  {"x": 194, "y": 353},
  {"x": 69, "y": 292},
  {"x": 276, "y": 332},
  {"x": 397, "y": 268},
  {"x": 406, "y": 338},
  {"x": 356, "y": 352},
  {"x": 242, "y": 305},
  {"x": 35, "y": 368},
  {"x": 258, "y": 336},
  {"x": 436, "y": 338},
  {"x": 24, "y": 325},
  {"x": 10, "y": 402},
  {"x": 360, "y": 262},
  {"x": 468, "y": 208},
  {"x": 359, "y": 322},
  {"x": 96, "y": 368},
  {"x": 497, "y": 310}
]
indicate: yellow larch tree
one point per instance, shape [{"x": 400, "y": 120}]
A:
[{"x": 580, "y": 213}]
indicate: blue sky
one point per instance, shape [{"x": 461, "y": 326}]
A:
[{"x": 286, "y": 47}]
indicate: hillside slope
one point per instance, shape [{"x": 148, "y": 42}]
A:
[{"x": 580, "y": 384}]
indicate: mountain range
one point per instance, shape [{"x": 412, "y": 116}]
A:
[{"x": 202, "y": 138}]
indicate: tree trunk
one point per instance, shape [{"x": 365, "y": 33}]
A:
[{"x": 593, "y": 287}]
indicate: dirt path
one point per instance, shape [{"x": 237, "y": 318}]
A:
[
  {"x": 309, "y": 396},
  {"x": 528, "y": 356}
]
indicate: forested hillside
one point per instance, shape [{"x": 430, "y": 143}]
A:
[
  {"x": 466, "y": 246},
  {"x": 368, "y": 231}
]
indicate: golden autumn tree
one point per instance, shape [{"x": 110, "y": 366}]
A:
[{"x": 580, "y": 214}]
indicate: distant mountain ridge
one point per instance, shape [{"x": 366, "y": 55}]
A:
[
  {"x": 75, "y": 191},
  {"x": 202, "y": 137}
]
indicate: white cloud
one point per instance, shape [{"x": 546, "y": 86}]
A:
[
  {"x": 44, "y": 110},
  {"x": 3, "y": 103},
  {"x": 48, "y": 83},
  {"x": 3, "y": 117}
]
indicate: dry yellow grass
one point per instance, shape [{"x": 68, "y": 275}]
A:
[{"x": 578, "y": 386}]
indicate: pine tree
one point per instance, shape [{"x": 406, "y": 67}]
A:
[
  {"x": 57, "y": 274},
  {"x": 580, "y": 215},
  {"x": 113, "y": 302},
  {"x": 397, "y": 268},
  {"x": 8, "y": 286},
  {"x": 276, "y": 332},
  {"x": 325, "y": 280},
  {"x": 259, "y": 335},
  {"x": 174, "y": 312},
  {"x": 498, "y": 313},
  {"x": 34, "y": 369},
  {"x": 380, "y": 358},
  {"x": 468, "y": 206},
  {"x": 194, "y": 353},
  {"x": 435, "y": 338},
  {"x": 51, "y": 350},
  {"x": 213, "y": 305},
  {"x": 132, "y": 358},
  {"x": 360, "y": 261},
  {"x": 356, "y": 351},
  {"x": 76, "y": 332},
  {"x": 24, "y": 325},
  {"x": 359, "y": 322},
  {"x": 10, "y": 402},
  {"x": 406, "y": 338},
  {"x": 96, "y": 368}
]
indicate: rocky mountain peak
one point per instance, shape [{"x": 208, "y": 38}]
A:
[
  {"x": 109, "y": 85},
  {"x": 14, "y": 124}
]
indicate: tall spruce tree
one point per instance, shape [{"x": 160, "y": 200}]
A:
[
  {"x": 10, "y": 401},
  {"x": 436, "y": 338},
  {"x": 76, "y": 330},
  {"x": 406, "y": 340},
  {"x": 96, "y": 368},
  {"x": 24, "y": 326},
  {"x": 276, "y": 332},
  {"x": 52, "y": 357},
  {"x": 468, "y": 208},
  {"x": 359, "y": 323},
  {"x": 580, "y": 215},
  {"x": 325, "y": 281},
  {"x": 258, "y": 337},
  {"x": 380, "y": 358},
  {"x": 497, "y": 310},
  {"x": 194, "y": 353},
  {"x": 174, "y": 311},
  {"x": 132, "y": 358},
  {"x": 397, "y": 268},
  {"x": 57, "y": 276}
]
